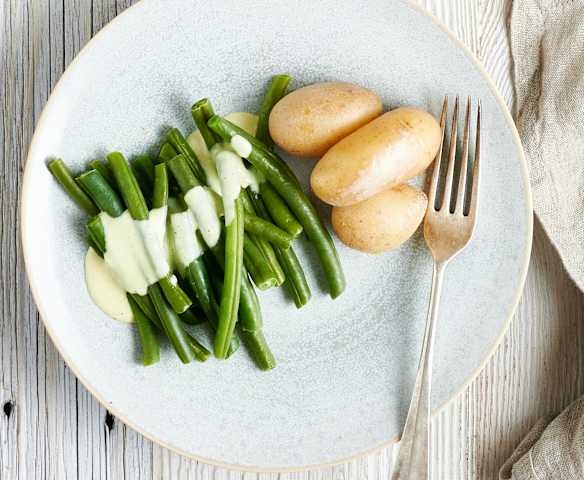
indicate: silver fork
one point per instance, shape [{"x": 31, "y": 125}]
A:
[{"x": 447, "y": 233}]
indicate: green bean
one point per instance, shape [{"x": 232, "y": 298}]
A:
[
  {"x": 252, "y": 205},
  {"x": 63, "y": 175},
  {"x": 128, "y": 185},
  {"x": 268, "y": 231},
  {"x": 198, "y": 278},
  {"x": 254, "y": 339},
  {"x": 257, "y": 266},
  {"x": 143, "y": 169},
  {"x": 148, "y": 339},
  {"x": 145, "y": 304},
  {"x": 249, "y": 306},
  {"x": 104, "y": 170},
  {"x": 256, "y": 343},
  {"x": 176, "y": 139},
  {"x": 295, "y": 279},
  {"x": 101, "y": 192},
  {"x": 201, "y": 112},
  {"x": 273, "y": 95},
  {"x": 191, "y": 318},
  {"x": 178, "y": 299},
  {"x": 171, "y": 325},
  {"x": 296, "y": 200},
  {"x": 278, "y": 210},
  {"x": 160, "y": 188},
  {"x": 96, "y": 233},
  {"x": 231, "y": 282},
  {"x": 183, "y": 174},
  {"x": 167, "y": 151}
]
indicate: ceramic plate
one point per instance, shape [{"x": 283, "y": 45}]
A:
[{"x": 346, "y": 367}]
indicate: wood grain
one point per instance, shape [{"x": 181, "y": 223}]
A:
[{"x": 52, "y": 428}]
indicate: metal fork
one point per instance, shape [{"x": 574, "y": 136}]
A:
[{"x": 448, "y": 228}]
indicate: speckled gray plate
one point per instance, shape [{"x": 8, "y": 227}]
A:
[{"x": 345, "y": 368}]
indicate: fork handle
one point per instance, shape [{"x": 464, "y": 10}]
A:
[{"x": 413, "y": 461}]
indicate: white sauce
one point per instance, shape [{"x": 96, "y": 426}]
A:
[
  {"x": 187, "y": 247},
  {"x": 241, "y": 146},
  {"x": 205, "y": 208},
  {"x": 233, "y": 175},
  {"x": 195, "y": 140},
  {"x": 244, "y": 120},
  {"x": 135, "y": 249},
  {"x": 104, "y": 290}
]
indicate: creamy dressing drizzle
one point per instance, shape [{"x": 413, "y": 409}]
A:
[
  {"x": 135, "y": 249},
  {"x": 104, "y": 290},
  {"x": 206, "y": 209},
  {"x": 187, "y": 246}
]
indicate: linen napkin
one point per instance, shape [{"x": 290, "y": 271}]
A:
[{"x": 547, "y": 44}]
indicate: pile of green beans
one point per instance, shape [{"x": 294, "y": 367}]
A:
[{"x": 255, "y": 248}]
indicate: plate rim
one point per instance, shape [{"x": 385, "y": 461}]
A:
[{"x": 254, "y": 468}]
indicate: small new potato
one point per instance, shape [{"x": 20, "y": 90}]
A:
[
  {"x": 386, "y": 152},
  {"x": 310, "y": 120},
  {"x": 382, "y": 222}
]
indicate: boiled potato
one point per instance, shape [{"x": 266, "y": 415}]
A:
[
  {"x": 308, "y": 121},
  {"x": 382, "y": 222},
  {"x": 388, "y": 151}
]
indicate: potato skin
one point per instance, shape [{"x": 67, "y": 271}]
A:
[
  {"x": 308, "y": 121},
  {"x": 386, "y": 152},
  {"x": 382, "y": 222}
]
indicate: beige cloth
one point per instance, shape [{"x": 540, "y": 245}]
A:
[{"x": 547, "y": 43}]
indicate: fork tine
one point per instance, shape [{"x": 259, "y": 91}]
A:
[
  {"x": 461, "y": 195},
  {"x": 436, "y": 169},
  {"x": 476, "y": 168},
  {"x": 446, "y": 201}
]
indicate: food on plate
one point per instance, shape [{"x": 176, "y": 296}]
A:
[
  {"x": 386, "y": 152},
  {"x": 383, "y": 221},
  {"x": 184, "y": 238},
  {"x": 310, "y": 120}
]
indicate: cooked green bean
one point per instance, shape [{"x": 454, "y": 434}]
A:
[
  {"x": 256, "y": 264},
  {"x": 198, "y": 278},
  {"x": 143, "y": 169},
  {"x": 231, "y": 282},
  {"x": 128, "y": 185},
  {"x": 295, "y": 279},
  {"x": 160, "y": 187},
  {"x": 201, "y": 112},
  {"x": 148, "y": 338},
  {"x": 106, "y": 173},
  {"x": 63, "y": 175},
  {"x": 182, "y": 173},
  {"x": 167, "y": 151},
  {"x": 268, "y": 231},
  {"x": 256, "y": 343},
  {"x": 299, "y": 203},
  {"x": 171, "y": 325},
  {"x": 101, "y": 192},
  {"x": 176, "y": 139},
  {"x": 279, "y": 211},
  {"x": 274, "y": 93},
  {"x": 252, "y": 204},
  {"x": 191, "y": 318},
  {"x": 249, "y": 306}
]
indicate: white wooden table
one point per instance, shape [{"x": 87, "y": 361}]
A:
[{"x": 51, "y": 427}]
